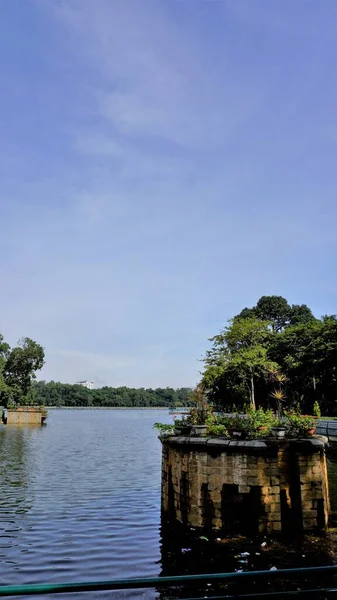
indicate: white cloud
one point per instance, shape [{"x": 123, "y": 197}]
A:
[{"x": 155, "y": 79}]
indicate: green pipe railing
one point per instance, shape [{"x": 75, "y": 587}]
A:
[{"x": 179, "y": 580}]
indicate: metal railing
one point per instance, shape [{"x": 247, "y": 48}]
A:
[
  {"x": 183, "y": 580},
  {"x": 328, "y": 429}
]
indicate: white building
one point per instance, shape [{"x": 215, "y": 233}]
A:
[{"x": 88, "y": 384}]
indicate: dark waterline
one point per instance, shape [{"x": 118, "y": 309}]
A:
[{"x": 80, "y": 500}]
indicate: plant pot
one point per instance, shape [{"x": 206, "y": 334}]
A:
[
  {"x": 183, "y": 430},
  {"x": 278, "y": 432},
  {"x": 239, "y": 434},
  {"x": 199, "y": 430},
  {"x": 310, "y": 431}
]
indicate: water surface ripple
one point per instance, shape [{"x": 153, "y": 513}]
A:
[{"x": 80, "y": 498}]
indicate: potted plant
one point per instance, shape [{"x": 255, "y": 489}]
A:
[
  {"x": 201, "y": 415},
  {"x": 301, "y": 425},
  {"x": 260, "y": 421},
  {"x": 217, "y": 430},
  {"x": 164, "y": 428},
  {"x": 237, "y": 426},
  {"x": 182, "y": 427},
  {"x": 278, "y": 429}
]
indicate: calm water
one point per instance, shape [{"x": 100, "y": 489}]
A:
[{"x": 80, "y": 500}]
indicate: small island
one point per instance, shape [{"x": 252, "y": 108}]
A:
[
  {"x": 18, "y": 368},
  {"x": 245, "y": 459}
]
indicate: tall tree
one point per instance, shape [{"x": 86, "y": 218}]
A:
[
  {"x": 274, "y": 309},
  {"x": 241, "y": 349},
  {"x": 20, "y": 366}
]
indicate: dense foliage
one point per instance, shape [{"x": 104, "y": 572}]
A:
[
  {"x": 274, "y": 343},
  {"x": 64, "y": 394},
  {"x": 18, "y": 368}
]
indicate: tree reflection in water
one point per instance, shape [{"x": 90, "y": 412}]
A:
[{"x": 16, "y": 471}]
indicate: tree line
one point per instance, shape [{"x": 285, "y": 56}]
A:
[
  {"x": 64, "y": 394},
  {"x": 274, "y": 344}
]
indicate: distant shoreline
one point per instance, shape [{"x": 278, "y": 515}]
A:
[{"x": 108, "y": 407}]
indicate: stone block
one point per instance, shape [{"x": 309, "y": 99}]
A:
[
  {"x": 309, "y": 514},
  {"x": 251, "y": 481},
  {"x": 271, "y": 509},
  {"x": 217, "y": 523},
  {"x": 274, "y": 489},
  {"x": 270, "y": 499},
  {"x": 309, "y": 524},
  {"x": 274, "y": 516}
]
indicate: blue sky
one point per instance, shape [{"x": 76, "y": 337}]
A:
[{"x": 163, "y": 163}]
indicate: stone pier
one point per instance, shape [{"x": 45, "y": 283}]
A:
[
  {"x": 26, "y": 415},
  {"x": 246, "y": 487}
]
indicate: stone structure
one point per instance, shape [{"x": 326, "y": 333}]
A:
[
  {"x": 245, "y": 487},
  {"x": 26, "y": 415}
]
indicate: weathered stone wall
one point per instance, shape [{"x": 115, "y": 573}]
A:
[
  {"x": 25, "y": 416},
  {"x": 245, "y": 486}
]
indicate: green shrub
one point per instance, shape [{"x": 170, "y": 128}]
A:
[
  {"x": 316, "y": 410},
  {"x": 218, "y": 430},
  {"x": 299, "y": 425},
  {"x": 163, "y": 427}
]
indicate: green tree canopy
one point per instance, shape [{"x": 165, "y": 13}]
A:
[
  {"x": 274, "y": 335},
  {"x": 239, "y": 351},
  {"x": 18, "y": 368},
  {"x": 274, "y": 309},
  {"x": 278, "y": 312}
]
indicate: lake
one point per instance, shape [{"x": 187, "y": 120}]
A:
[{"x": 80, "y": 500}]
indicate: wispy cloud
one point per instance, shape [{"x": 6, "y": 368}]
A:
[{"x": 156, "y": 81}]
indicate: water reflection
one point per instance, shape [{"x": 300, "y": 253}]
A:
[{"x": 15, "y": 472}]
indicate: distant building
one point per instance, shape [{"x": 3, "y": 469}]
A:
[{"x": 88, "y": 384}]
